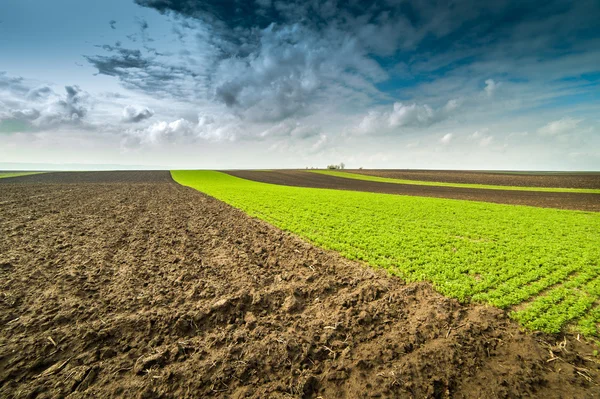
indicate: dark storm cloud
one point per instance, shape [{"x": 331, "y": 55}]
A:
[
  {"x": 384, "y": 26},
  {"x": 119, "y": 61},
  {"x": 146, "y": 72},
  {"x": 278, "y": 56},
  {"x": 143, "y": 24}
]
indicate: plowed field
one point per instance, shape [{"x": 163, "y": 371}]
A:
[{"x": 129, "y": 285}]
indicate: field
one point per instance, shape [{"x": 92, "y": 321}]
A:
[
  {"x": 17, "y": 174},
  {"x": 501, "y": 255},
  {"x": 127, "y": 284},
  {"x": 371, "y": 177},
  {"x": 561, "y": 200},
  {"x": 584, "y": 180}
]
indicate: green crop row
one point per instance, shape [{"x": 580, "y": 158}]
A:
[
  {"x": 546, "y": 261},
  {"x": 17, "y": 174},
  {"x": 357, "y": 176}
]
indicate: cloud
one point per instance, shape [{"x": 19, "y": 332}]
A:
[
  {"x": 208, "y": 127},
  {"x": 559, "y": 127},
  {"x": 160, "y": 131},
  {"x": 134, "y": 114},
  {"x": 70, "y": 109},
  {"x": 482, "y": 137},
  {"x": 411, "y": 115},
  {"x": 291, "y": 129},
  {"x": 406, "y": 115},
  {"x": 27, "y": 114},
  {"x": 447, "y": 138},
  {"x": 269, "y": 61},
  {"x": 143, "y": 24},
  {"x": 40, "y": 107},
  {"x": 148, "y": 72},
  {"x": 39, "y": 93},
  {"x": 113, "y": 24},
  {"x": 320, "y": 144},
  {"x": 490, "y": 87},
  {"x": 13, "y": 84},
  {"x": 290, "y": 67}
]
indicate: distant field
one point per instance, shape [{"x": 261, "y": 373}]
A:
[
  {"x": 373, "y": 176},
  {"x": 303, "y": 178},
  {"x": 16, "y": 174},
  {"x": 542, "y": 264},
  {"x": 585, "y": 180}
]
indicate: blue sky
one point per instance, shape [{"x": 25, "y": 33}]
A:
[{"x": 269, "y": 83}]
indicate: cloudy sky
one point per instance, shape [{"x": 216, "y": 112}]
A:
[{"x": 464, "y": 84}]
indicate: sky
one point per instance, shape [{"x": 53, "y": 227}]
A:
[{"x": 238, "y": 84}]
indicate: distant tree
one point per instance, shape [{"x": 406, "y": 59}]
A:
[
  {"x": 340, "y": 166},
  {"x": 360, "y": 168}
]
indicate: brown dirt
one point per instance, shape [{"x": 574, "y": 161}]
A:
[
  {"x": 135, "y": 286},
  {"x": 299, "y": 178},
  {"x": 522, "y": 179}
]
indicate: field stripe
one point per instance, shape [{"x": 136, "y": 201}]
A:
[
  {"x": 357, "y": 176},
  {"x": 17, "y": 174}
]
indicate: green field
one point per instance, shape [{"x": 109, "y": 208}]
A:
[
  {"x": 17, "y": 174},
  {"x": 357, "y": 176},
  {"x": 542, "y": 264}
]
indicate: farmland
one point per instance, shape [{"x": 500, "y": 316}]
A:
[
  {"x": 585, "y": 180},
  {"x": 16, "y": 174},
  {"x": 370, "y": 177},
  {"x": 541, "y": 262},
  {"x": 127, "y": 284},
  {"x": 301, "y": 178}
]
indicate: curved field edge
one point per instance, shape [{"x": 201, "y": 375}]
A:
[
  {"x": 17, "y": 174},
  {"x": 356, "y": 176},
  {"x": 541, "y": 263}
]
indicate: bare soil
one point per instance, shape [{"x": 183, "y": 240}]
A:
[
  {"x": 129, "y": 285},
  {"x": 300, "y": 178},
  {"x": 522, "y": 179}
]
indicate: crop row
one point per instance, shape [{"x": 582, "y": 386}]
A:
[{"x": 17, "y": 174}]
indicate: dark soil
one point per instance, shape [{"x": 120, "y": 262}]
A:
[
  {"x": 576, "y": 201},
  {"x": 89, "y": 177},
  {"x": 522, "y": 179},
  {"x": 134, "y": 286}
]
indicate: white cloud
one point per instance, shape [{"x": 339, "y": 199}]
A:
[
  {"x": 561, "y": 126},
  {"x": 169, "y": 131},
  {"x": 291, "y": 128},
  {"x": 482, "y": 137},
  {"x": 134, "y": 114},
  {"x": 218, "y": 128},
  {"x": 447, "y": 138},
  {"x": 320, "y": 144},
  {"x": 208, "y": 127},
  {"x": 406, "y": 115},
  {"x": 411, "y": 115},
  {"x": 490, "y": 87},
  {"x": 42, "y": 108}
]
